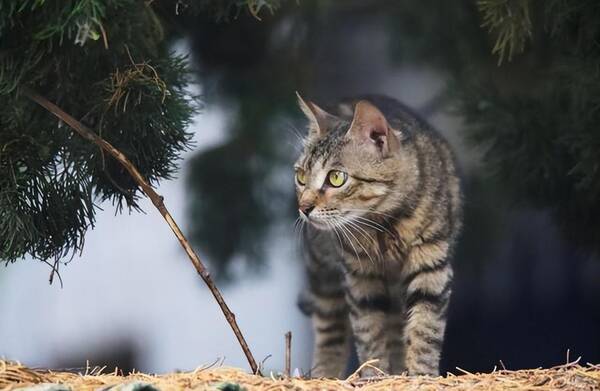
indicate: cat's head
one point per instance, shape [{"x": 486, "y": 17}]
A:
[{"x": 349, "y": 167}]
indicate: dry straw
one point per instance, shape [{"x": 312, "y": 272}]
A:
[{"x": 566, "y": 377}]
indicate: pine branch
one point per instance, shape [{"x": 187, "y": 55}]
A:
[
  {"x": 510, "y": 22},
  {"x": 158, "y": 202}
]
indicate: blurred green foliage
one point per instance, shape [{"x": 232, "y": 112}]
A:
[
  {"x": 239, "y": 189},
  {"x": 535, "y": 117}
]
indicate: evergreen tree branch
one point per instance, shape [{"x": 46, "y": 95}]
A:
[
  {"x": 158, "y": 202},
  {"x": 509, "y": 21}
]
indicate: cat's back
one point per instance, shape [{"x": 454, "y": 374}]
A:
[
  {"x": 432, "y": 147},
  {"x": 397, "y": 114}
]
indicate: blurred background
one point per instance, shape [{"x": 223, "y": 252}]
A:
[{"x": 525, "y": 133}]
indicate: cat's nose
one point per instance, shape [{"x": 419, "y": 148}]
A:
[{"x": 306, "y": 209}]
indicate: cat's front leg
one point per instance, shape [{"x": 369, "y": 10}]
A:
[
  {"x": 369, "y": 303},
  {"x": 325, "y": 302},
  {"x": 428, "y": 279},
  {"x": 332, "y": 340}
]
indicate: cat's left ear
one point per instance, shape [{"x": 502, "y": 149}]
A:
[
  {"x": 369, "y": 126},
  {"x": 320, "y": 120}
]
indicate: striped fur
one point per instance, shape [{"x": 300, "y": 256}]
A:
[{"x": 378, "y": 247}]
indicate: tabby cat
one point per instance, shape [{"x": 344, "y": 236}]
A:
[{"x": 380, "y": 211}]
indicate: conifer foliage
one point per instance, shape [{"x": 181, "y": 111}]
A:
[
  {"x": 525, "y": 78},
  {"x": 108, "y": 64},
  {"x": 538, "y": 122}
]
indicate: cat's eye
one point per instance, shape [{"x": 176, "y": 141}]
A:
[
  {"x": 301, "y": 177},
  {"x": 337, "y": 178}
]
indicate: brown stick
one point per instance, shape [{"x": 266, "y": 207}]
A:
[
  {"x": 158, "y": 202},
  {"x": 288, "y": 353}
]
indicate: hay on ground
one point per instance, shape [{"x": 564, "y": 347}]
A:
[{"x": 567, "y": 377}]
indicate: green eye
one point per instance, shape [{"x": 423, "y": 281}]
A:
[
  {"x": 301, "y": 177},
  {"x": 337, "y": 178}
]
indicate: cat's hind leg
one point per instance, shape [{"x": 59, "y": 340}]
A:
[{"x": 395, "y": 323}]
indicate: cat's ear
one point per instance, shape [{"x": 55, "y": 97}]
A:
[
  {"x": 320, "y": 120},
  {"x": 369, "y": 126}
]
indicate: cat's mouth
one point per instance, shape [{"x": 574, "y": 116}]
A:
[{"x": 325, "y": 220}]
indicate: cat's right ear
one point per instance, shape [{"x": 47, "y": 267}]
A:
[
  {"x": 370, "y": 127},
  {"x": 320, "y": 120}
]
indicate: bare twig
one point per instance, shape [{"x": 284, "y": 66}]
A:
[
  {"x": 158, "y": 202},
  {"x": 288, "y": 353}
]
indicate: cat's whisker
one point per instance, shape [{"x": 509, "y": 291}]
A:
[
  {"x": 370, "y": 224},
  {"x": 298, "y": 223},
  {"x": 302, "y": 230},
  {"x": 351, "y": 224},
  {"x": 367, "y": 222},
  {"x": 295, "y": 146},
  {"x": 362, "y": 231},
  {"x": 297, "y": 227},
  {"x": 373, "y": 224},
  {"x": 334, "y": 229},
  {"x": 375, "y": 212},
  {"x": 291, "y": 127},
  {"x": 366, "y": 235},
  {"x": 348, "y": 229},
  {"x": 297, "y": 134},
  {"x": 344, "y": 231}
]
